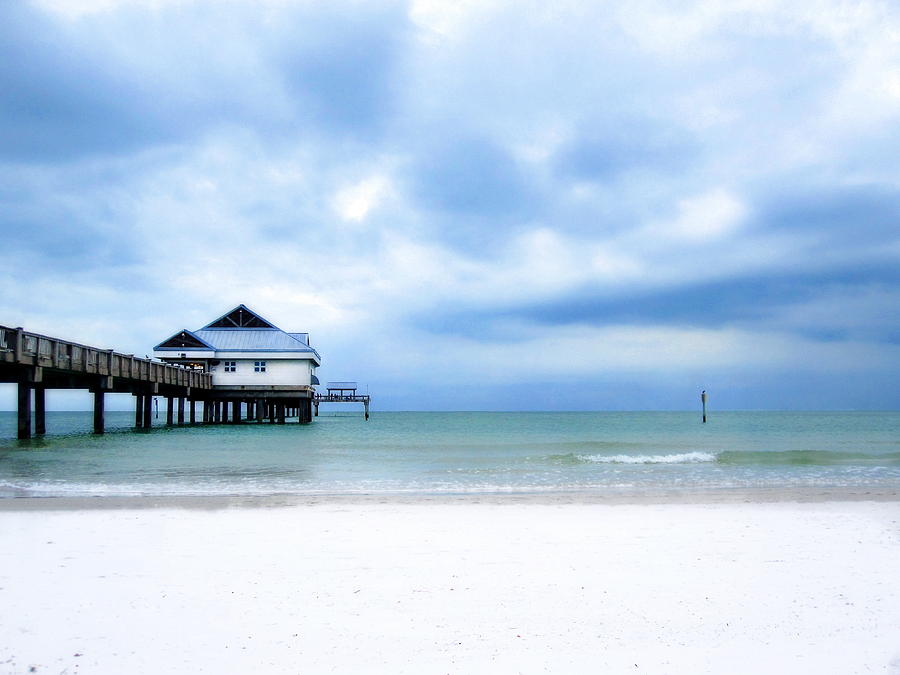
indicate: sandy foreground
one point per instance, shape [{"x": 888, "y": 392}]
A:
[{"x": 450, "y": 586}]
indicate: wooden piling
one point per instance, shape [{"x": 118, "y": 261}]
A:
[
  {"x": 24, "y": 417},
  {"x": 148, "y": 405},
  {"x": 236, "y": 412},
  {"x": 180, "y": 411},
  {"x": 99, "y": 401},
  {"x": 138, "y": 410},
  {"x": 703, "y": 402},
  {"x": 170, "y": 410},
  {"x": 193, "y": 412},
  {"x": 40, "y": 411}
]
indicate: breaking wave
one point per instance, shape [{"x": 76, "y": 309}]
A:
[
  {"x": 679, "y": 458},
  {"x": 742, "y": 457}
]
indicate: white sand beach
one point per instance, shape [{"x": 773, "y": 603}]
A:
[{"x": 405, "y": 587}]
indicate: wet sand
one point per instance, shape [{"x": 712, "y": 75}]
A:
[{"x": 761, "y": 495}]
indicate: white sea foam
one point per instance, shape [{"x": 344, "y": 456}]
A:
[{"x": 680, "y": 458}]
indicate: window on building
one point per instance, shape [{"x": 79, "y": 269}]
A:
[
  {"x": 259, "y": 366},
  {"x": 230, "y": 366}
]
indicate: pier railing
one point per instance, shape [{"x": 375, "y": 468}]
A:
[{"x": 32, "y": 349}]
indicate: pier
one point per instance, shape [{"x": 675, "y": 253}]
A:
[
  {"x": 341, "y": 392},
  {"x": 37, "y": 363}
]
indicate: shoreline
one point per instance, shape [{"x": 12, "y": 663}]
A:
[{"x": 760, "y": 495}]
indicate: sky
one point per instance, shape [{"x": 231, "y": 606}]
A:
[{"x": 575, "y": 205}]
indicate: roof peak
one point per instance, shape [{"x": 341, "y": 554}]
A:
[{"x": 240, "y": 317}]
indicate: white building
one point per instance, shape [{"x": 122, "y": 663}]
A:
[{"x": 250, "y": 358}]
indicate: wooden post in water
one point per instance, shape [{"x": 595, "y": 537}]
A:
[
  {"x": 138, "y": 410},
  {"x": 170, "y": 410},
  {"x": 181, "y": 411},
  {"x": 40, "y": 411},
  {"x": 148, "y": 405},
  {"x": 703, "y": 401},
  {"x": 99, "y": 400},
  {"x": 24, "y": 432},
  {"x": 193, "y": 414},
  {"x": 236, "y": 412}
]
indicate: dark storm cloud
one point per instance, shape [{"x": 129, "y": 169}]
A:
[
  {"x": 343, "y": 73},
  {"x": 66, "y": 91},
  {"x": 714, "y": 304},
  {"x": 843, "y": 216},
  {"x": 57, "y": 100}
]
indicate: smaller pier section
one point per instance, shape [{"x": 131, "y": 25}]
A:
[{"x": 341, "y": 392}]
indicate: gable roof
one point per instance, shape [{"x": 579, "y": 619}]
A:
[
  {"x": 241, "y": 317},
  {"x": 184, "y": 339},
  {"x": 241, "y": 330}
]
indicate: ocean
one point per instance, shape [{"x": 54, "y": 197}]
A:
[{"x": 455, "y": 453}]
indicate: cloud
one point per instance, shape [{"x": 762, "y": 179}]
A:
[{"x": 633, "y": 196}]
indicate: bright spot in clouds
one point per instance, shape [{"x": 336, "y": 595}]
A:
[{"x": 355, "y": 201}]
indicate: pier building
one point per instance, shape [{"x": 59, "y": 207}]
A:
[{"x": 251, "y": 361}]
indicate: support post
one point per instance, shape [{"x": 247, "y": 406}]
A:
[
  {"x": 148, "y": 405},
  {"x": 40, "y": 411},
  {"x": 99, "y": 400},
  {"x": 703, "y": 401},
  {"x": 366, "y": 405},
  {"x": 224, "y": 412},
  {"x": 280, "y": 413},
  {"x": 181, "y": 411},
  {"x": 316, "y": 404},
  {"x": 260, "y": 409},
  {"x": 236, "y": 412},
  {"x": 24, "y": 432},
  {"x": 193, "y": 413},
  {"x": 139, "y": 410},
  {"x": 170, "y": 410}
]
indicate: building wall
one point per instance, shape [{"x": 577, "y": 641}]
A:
[{"x": 278, "y": 371}]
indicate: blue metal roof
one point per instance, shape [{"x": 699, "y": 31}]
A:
[
  {"x": 247, "y": 339},
  {"x": 242, "y": 337}
]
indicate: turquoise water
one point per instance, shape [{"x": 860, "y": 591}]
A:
[{"x": 455, "y": 453}]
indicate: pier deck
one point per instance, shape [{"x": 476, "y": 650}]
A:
[
  {"x": 38, "y": 362},
  {"x": 341, "y": 392}
]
